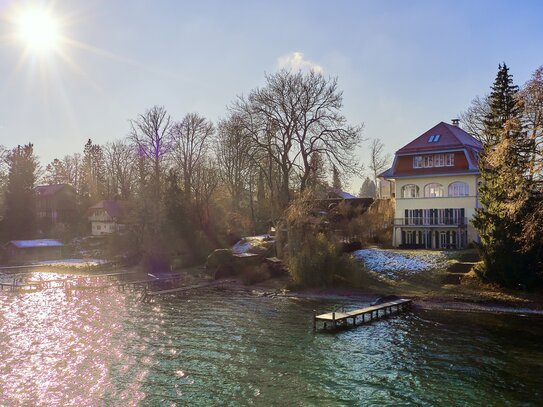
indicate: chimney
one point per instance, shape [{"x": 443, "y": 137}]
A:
[{"x": 455, "y": 122}]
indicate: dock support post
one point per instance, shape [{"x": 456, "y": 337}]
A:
[
  {"x": 314, "y": 320},
  {"x": 334, "y": 320}
]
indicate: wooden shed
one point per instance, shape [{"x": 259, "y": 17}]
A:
[{"x": 21, "y": 251}]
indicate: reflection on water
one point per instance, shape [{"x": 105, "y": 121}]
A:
[{"x": 231, "y": 348}]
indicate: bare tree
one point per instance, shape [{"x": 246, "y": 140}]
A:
[
  {"x": 234, "y": 158},
  {"x": 120, "y": 167},
  {"x": 293, "y": 116},
  {"x": 531, "y": 96},
  {"x": 72, "y": 167},
  {"x": 205, "y": 182},
  {"x": 150, "y": 133},
  {"x": 64, "y": 171},
  {"x": 379, "y": 159},
  {"x": 192, "y": 140},
  {"x": 472, "y": 119}
]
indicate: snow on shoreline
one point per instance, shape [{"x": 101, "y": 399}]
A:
[
  {"x": 396, "y": 264},
  {"x": 74, "y": 263}
]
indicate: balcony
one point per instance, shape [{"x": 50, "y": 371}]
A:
[{"x": 432, "y": 222}]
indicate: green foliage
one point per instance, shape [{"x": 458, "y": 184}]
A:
[
  {"x": 220, "y": 257},
  {"x": 19, "y": 219},
  {"x": 368, "y": 189},
  {"x": 504, "y": 188},
  {"x": 320, "y": 263}
]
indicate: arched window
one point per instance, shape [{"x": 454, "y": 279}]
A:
[
  {"x": 410, "y": 191},
  {"x": 458, "y": 189},
  {"x": 433, "y": 190}
]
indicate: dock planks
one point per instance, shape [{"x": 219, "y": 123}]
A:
[{"x": 341, "y": 319}]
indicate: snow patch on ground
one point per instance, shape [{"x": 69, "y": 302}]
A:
[
  {"x": 397, "y": 264},
  {"x": 75, "y": 263}
]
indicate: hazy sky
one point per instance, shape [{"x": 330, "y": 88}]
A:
[{"x": 403, "y": 65}]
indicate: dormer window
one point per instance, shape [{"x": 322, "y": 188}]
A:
[{"x": 434, "y": 138}]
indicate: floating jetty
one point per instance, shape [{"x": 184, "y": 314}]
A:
[{"x": 340, "y": 319}]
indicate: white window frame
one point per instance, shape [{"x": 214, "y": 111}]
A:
[
  {"x": 439, "y": 160},
  {"x": 410, "y": 191},
  {"x": 449, "y": 160},
  {"x": 428, "y": 161},
  {"x": 433, "y": 190},
  {"x": 458, "y": 188},
  {"x": 418, "y": 161}
]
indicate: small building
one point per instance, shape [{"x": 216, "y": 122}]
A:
[
  {"x": 22, "y": 251},
  {"x": 386, "y": 188},
  {"x": 436, "y": 180},
  {"x": 108, "y": 217}
]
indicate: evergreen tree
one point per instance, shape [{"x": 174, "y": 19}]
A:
[
  {"x": 317, "y": 179},
  {"x": 504, "y": 191},
  {"x": 368, "y": 189},
  {"x": 336, "y": 180},
  {"x": 93, "y": 172},
  {"x": 19, "y": 219}
]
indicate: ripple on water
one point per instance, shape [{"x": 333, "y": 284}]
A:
[{"x": 232, "y": 348}]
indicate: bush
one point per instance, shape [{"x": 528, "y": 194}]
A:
[
  {"x": 220, "y": 257},
  {"x": 321, "y": 263},
  {"x": 255, "y": 274}
]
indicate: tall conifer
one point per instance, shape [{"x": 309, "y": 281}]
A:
[
  {"x": 19, "y": 219},
  {"x": 503, "y": 190}
]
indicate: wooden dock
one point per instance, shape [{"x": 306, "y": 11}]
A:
[
  {"x": 21, "y": 287},
  {"x": 341, "y": 319}
]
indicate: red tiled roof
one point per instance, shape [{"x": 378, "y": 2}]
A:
[
  {"x": 115, "y": 209},
  {"x": 451, "y": 137}
]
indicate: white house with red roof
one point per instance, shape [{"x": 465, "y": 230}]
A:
[
  {"x": 436, "y": 189},
  {"x": 108, "y": 217}
]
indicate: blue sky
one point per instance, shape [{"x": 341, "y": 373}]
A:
[{"x": 403, "y": 65}]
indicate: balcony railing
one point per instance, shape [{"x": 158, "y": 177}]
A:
[{"x": 421, "y": 221}]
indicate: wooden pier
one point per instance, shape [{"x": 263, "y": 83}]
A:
[
  {"x": 100, "y": 282},
  {"x": 341, "y": 319},
  {"x": 21, "y": 287}
]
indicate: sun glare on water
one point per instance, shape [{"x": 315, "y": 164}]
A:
[{"x": 38, "y": 30}]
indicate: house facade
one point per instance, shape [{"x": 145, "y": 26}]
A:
[
  {"x": 55, "y": 203},
  {"x": 436, "y": 189},
  {"x": 108, "y": 217}
]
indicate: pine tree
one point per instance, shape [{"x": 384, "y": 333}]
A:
[
  {"x": 317, "y": 179},
  {"x": 19, "y": 219},
  {"x": 504, "y": 191},
  {"x": 93, "y": 172},
  {"x": 336, "y": 180},
  {"x": 368, "y": 189}
]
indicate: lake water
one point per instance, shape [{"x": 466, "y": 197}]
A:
[{"x": 234, "y": 348}]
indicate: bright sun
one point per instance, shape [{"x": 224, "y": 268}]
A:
[{"x": 38, "y": 30}]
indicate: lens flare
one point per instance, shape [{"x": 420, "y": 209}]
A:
[{"x": 38, "y": 30}]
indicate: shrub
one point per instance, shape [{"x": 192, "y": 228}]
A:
[
  {"x": 321, "y": 263},
  {"x": 220, "y": 257}
]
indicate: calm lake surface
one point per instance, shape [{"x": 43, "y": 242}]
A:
[{"x": 234, "y": 348}]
